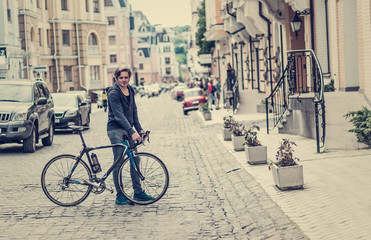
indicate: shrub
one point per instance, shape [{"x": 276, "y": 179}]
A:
[
  {"x": 205, "y": 107},
  {"x": 227, "y": 121},
  {"x": 361, "y": 120},
  {"x": 238, "y": 129},
  {"x": 251, "y": 136},
  {"x": 284, "y": 156}
]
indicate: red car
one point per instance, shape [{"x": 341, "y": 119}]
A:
[{"x": 192, "y": 99}]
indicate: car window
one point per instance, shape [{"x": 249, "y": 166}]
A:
[
  {"x": 15, "y": 93},
  {"x": 45, "y": 90},
  {"x": 36, "y": 93},
  {"x": 79, "y": 100},
  {"x": 64, "y": 100},
  {"x": 41, "y": 90}
]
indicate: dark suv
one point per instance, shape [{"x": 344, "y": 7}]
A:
[{"x": 26, "y": 113}]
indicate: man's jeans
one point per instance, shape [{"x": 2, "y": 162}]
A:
[{"x": 119, "y": 136}]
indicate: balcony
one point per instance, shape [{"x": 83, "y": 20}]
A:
[{"x": 93, "y": 50}]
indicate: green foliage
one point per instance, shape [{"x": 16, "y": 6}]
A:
[
  {"x": 330, "y": 86},
  {"x": 204, "y": 107},
  {"x": 238, "y": 129},
  {"x": 284, "y": 156},
  {"x": 361, "y": 120},
  {"x": 251, "y": 136},
  {"x": 179, "y": 50},
  {"x": 180, "y": 44},
  {"x": 205, "y": 46},
  {"x": 181, "y": 58},
  {"x": 227, "y": 121}
]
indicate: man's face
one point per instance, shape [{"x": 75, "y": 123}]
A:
[{"x": 123, "y": 80}]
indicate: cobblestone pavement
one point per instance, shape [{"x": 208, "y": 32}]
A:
[{"x": 211, "y": 196}]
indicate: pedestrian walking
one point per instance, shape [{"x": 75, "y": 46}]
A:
[
  {"x": 104, "y": 100},
  {"x": 211, "y": 91},
  {"x": 122, "y": 117},
  {"x": 218, "y": 87}
]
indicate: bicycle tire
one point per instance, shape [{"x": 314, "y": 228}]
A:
[
  {"x": 54, "y": 185},
  {"x": 156, "y": 179}
]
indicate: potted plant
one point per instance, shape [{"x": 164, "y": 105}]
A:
[
  {"x": 255, "y": 152},
  {"x": 206, "y": 111},
  {"x": 361, "y": 121},
  {"x": 227, "y": 127},
  {"x": 287, "y": 173},
  {"x": 238, "y": 135}
]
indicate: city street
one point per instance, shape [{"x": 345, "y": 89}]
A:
[{"x": 210, "y": 195}]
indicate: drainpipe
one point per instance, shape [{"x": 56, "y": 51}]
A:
[
  {"x": 241, "y": 55},
  {"x": 251, "y": 64},
  {"x": 25, "y": 40},
  {"x": 269, "y": 42},
  {"x": 327, "y": 38},
  {"x": 312, "y": 24},
  {"x": 55, "y": 49},
  {"x": 78, "y": 48}
]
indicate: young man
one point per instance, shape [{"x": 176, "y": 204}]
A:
[{"x": 122, "y": 117}]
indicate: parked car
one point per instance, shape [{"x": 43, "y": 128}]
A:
[
  {"x": 178, "y": 92},
  {"x": 192, "y": 99},
  {"x": 26, "y": 113},
  {"x": 70, "y": 109},
  {"x": 85, "y": 96}
]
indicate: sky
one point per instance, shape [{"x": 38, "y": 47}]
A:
[{"x": 168, "y": 13}]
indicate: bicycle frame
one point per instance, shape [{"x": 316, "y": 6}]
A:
[{"x": 85, "y": 150}]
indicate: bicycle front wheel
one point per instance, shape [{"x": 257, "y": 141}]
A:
[
  {"x": 58, "y": 187},
  {"x": 155, "y": 183}
]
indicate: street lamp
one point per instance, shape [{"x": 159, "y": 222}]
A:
[
  {"x": 296, "y": 21},
  {"x": 256, "y": 43}
]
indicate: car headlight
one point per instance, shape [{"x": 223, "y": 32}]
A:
[
  {"x": 19, "y": 116},
  {"x": 71, "y": 113}
]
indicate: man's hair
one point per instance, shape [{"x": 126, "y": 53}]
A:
[{"x": 120, "y": 70}]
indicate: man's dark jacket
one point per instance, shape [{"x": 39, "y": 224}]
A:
[{"x": 121, "y": 113}]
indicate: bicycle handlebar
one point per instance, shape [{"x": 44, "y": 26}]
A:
[{"x": 144, "y": 136}]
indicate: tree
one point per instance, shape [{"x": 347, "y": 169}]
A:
[{"x": 205, "y": 46}]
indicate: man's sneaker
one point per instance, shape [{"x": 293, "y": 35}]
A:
[
  {"x": 143, "y": 196},
  {"x": 121, "y": 199}
]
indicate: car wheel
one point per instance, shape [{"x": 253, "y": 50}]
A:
[
  {"x": 29, "y": 144},
  {"x": 87, "y": 121},
  {"x": 49, "y": 139},
  {"x": 185, "y": 112}
]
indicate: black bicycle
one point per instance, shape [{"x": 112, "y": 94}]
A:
[{"x": 67, "y": 180}]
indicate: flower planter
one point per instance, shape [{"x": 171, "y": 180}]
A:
[
  {"x": 290, "y": 177},
  {"x": 227, "y": 134},
  {"x": 256, "y": 155},
  {"x": 207, "y": 115},
  {"x": 238, "y": 142}
]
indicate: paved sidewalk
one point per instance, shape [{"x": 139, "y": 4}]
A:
[{"x": 336, "y": 200}]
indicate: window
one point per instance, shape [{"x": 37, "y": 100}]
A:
[
  {"x": 112, "y": 40},
  {"x": 96, "y": 6},
  {"x": 87, "y": 5},
  {"x": 111, "y": 20},
  {"x": 48, "y": 37},
  {"x": 9, "y": 12},
  {"x": 32, "y": 34},
  {"x": 37, "y": 3},
  {"x": 40, "y": 39},
  {"x": 108, "y": 3},
  {"x": 92, "y": 39},
  {"x": 94, "y": 73},
  {"x": 64, "y": 5},
  {"x": 113, "y": 58},
  {"x": 141, "y": 66},
  {"x": 168, "y": 70},
  {"x": 167, "y": 60},
  {"x": 67, "y": 73},
  {"x": 66, "y": 37},
  {"x": 167, "y": 49},
  {"x": 46, "y": 4}
]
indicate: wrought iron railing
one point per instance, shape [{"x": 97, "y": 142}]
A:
[{"x": 303, "y": 74}]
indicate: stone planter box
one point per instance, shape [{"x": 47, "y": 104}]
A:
[
  {"x": 207, "y": 115},
  {"x": 238, "y": 142},
  {"x": 256, "y": 155},
  {"x": 227, "y": 134},
  {"x": 290, "y": 177}
]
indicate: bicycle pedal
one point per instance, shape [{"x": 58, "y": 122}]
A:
[{"x": 110, "y": 189}]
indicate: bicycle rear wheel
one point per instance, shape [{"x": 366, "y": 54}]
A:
[
  {"x": 156, "y": 177},
  {"x": 61, "y": 190}
]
